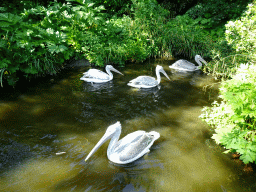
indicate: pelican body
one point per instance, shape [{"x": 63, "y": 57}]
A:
[
  {"x": 147, "y": 81},
  {"x": 128, "y": 149},
  {"x": 184, "y": 65},
  {"x": 97, "y": 76}
]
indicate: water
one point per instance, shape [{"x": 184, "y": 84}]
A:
[{"x": 64, "y": 114}]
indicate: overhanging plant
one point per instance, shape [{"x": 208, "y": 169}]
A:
[{"x": 234, "y": 119}]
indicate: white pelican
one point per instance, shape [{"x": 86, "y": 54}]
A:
[
  {"x": 147, "y": 81},
  {"x": 184, "y": 65},
  {"x": 97, "y": 76},
  {"x": 128, "y": 149}
]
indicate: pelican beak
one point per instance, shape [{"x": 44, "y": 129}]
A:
[
  {"x": 113, "y": 69},
  {"x": 165, "y": 74},
  {"x": 105, "y": 137}
]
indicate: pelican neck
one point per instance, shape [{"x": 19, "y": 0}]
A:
[
  {"x": 158, "y": 76},
  {"x": 109, "y": 73},
  {"x": 113, "y": 142},
  {"x": 199, "y": 62}
]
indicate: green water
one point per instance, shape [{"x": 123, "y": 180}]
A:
[{"x": 65, "y": 114}]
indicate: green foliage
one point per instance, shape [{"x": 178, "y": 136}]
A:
[
  {"x": 187, "y": 38},
  {"x": 43, "y": 38},
  {"x": 30, "y": 46},
  {"x": 240, "y": 34},
  {"x": 237, "y": 47},
  {"x": 240, "y": 94},
  {"x": 114, "y": 7},
  {"x": 148, "y": 27},
  {"x": 213, "y": 13},
  {"x": 223, "y": 66},
  {"x": 177, "y": 7},
  {"x": 39, "y": 40},
  {"x": 234, "y": 118}
]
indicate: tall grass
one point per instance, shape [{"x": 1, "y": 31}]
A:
[
  {"x": 187, "y": 40},
  {"x": 226, "y": 67}
]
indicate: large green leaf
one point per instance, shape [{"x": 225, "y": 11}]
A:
[
  {"x": 57, "y": 48},
  {"x": 5, "y": 24},
  {"x": 4, "y": 63},
  {"x": 248, "y": 157},
  {"x": 10, "y": 18}
]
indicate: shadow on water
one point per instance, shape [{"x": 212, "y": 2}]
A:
[{"x": 69, "y": 115}]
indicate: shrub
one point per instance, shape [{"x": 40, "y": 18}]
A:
[
  {"x": 32, "y": 43},
  {"x": 42, "y": 38},
  {"x": 187, "y": 39},
  {"x": 234, "y": 118},
  {"x": 114, "y": 7},
  {"x": 239, "y": 45},
  {"x": 241, "y": 34},
  {"x": 148, "y": 26},
  {"x": 212, "y": 14}
]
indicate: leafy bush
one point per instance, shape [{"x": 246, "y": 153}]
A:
[
  {"x": 240, "y": 34},
  {"x": 187, "y": 38},
  {"x": 177, "y": 7},
  {"x": 30, "y": 46},
  {"x": 114, "y": 7},
  {"x": 213, "y": 13},
  {"x": 148, "y": 27},
  {"x": 234, "y": 118},
  {"x": 42, "y": 38},
  {"x": 223, "y": 65},
  {"x": 239, "y": 45}
]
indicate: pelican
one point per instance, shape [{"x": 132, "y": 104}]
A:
[
  {"x": 185, "y": 65},
  {"x": 97, "y": 76},
  {"x": 128, "y": 149},
  {"x": 147, "y": 81}
]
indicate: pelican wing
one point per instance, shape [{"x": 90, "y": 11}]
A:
[
  {"x": 96, "y": 74},
  {"x": 127, "y": 140},
  {"x": 144, "y": 80},
  {"x": 183, "y": 65},
  {"x": 134, "y": 145}
]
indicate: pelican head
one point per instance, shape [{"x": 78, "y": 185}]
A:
[
  {"x": 110, "y": 132},
  {"x": 113, "y": 129},
  {"x": 111, "y": 68},
  {"x": 199, "y": 59},
  {"x": 158, "y": 70}
]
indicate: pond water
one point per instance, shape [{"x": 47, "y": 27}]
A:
[{"x": 65, "y": 114}]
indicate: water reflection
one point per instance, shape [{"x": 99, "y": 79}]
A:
[
  {"x": 71, "y": 116},
  {"x": 98, "y": 88}
]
